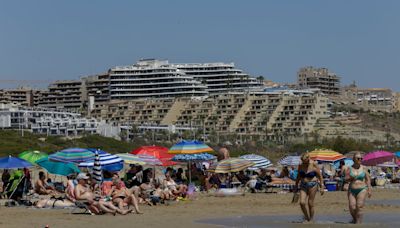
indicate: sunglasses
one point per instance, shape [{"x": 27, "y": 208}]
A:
[{"x": 358, "y": 158}]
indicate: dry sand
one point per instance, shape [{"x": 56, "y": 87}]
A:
[{"x": 185, "y": 214}]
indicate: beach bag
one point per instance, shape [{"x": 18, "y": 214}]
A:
[{"x": 296, "y": 197}]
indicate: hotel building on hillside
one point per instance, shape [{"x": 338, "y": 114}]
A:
[
  {"x": 221, "y": 78},
  {"x": 267, "y": 114},
  {"x": 319, "y": 78},
  {"x": 45, "y": 121},
  {"x": 152, "y": 79}
]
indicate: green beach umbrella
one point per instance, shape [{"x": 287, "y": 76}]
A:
[
  {"x": 32, "y": 155},
  {"x": 58, "y": 168}
]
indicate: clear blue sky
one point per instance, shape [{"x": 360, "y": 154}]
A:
[{"x": 50, "y": 40}]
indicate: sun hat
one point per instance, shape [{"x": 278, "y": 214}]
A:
[{"x": 82, "y": 176}]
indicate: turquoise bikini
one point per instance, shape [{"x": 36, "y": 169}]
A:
[{"x": 361, "y": 177}]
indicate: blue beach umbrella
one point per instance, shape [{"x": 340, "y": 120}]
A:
[
  {"x": 72, "y": 155},
  {"x": 193, "y": 157},
  {"x": 397, "y": 154},
  {"x": 109, "y": 162},
  {"x": 58, "y": 168},
  {"x": 259, "y": 161},
  {"x": 10, "y": 162},
  {"x": 290, "y": 161}
]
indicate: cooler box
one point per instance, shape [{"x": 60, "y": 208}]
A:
[{"x": 331, "y": 185}]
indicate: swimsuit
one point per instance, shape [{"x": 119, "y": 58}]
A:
[
  {"x": 361, "y": 177},
  {"x": 310, "y": 184},
  {"x": 311, "y": 174}
]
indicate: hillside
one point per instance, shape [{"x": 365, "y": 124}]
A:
[{"x": 12, "y": 143}]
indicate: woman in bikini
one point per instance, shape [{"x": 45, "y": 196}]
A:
[
  {"x": 309, "y": 178},
  {"x": 359, "y": 187}
]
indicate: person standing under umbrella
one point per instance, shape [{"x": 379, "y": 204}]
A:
[
  {"x": 308, "y": 177},
  {"x": 359, "y": 188}
]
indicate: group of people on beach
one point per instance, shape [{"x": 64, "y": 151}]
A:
[
  {"x": 310, "y": 180},
  {"x": 123, "y": 195}
]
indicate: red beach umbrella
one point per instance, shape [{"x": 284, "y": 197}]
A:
[{"x": 156, "y": 151}]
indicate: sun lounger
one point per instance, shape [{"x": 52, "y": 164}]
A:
[
  {"x": 82, "y": 205},
  {"x": 270, "y": 187}
]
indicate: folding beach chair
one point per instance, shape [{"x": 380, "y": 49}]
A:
[{"x": 83, "y": 206}]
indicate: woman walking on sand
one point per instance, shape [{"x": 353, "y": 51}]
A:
[
  {"x": 309, "y": 178},
  {"x": 359, "y": 187}
]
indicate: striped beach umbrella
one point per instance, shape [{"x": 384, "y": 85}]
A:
[
  {"x": 156, "y": 151},
  {"x": 189, "y": 147},
  {"x": 290, "y": 161},
  {"x": 72, "y": 155},
  {"x": 326, "y": 155},
  {"x": 96, "y": 172},
  {"x": 193, "y": 157},
  {"x": 109, "y": 162},
  {"x": 32, "y": 155},
  {"x": 230, "y": 165},
  {"x": 139, "y": 159},
  {"x": 259, "y": 161}
]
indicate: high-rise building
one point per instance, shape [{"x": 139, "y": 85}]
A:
[
  {"x": 24, "y": 96},
  {"x": 69, "y": 95},
  {"x": 152, "y": 79},
  {"x": 319, "y": 78},
  {"x": 221, "y": 78}
]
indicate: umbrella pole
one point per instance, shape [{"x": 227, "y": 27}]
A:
[{"x": 190, "y": 171}]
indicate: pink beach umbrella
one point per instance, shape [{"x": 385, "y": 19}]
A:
[{"x": 377, "y": 157}]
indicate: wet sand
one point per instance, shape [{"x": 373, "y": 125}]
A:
[{"x": 270, "y": 209}]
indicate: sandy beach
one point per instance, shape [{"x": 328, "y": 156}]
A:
[{"x": 204, "y": 207}]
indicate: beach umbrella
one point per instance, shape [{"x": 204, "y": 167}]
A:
[
  {"x": 397, "y": 154},
  {"x": 109, "y": 162},
  {"x": 139, "y": 159},
  {"x": 326, "y": 155},
  {"x": 10, "y": 162},
  {"x": 388, "y": 165},
  {"x": 57, "y": 168},
  {"x": 32, "y": 155},
  {"x": 193, "y": 157},
  {"x": 259, "y": 161},
  {"x": 377, "y": 157},
  {"x": 290, "y": 161},
  {"x": 72, "y": 155},
  {"x": 96, "y": 172},
  {"x": 190, "y": 147},
  {"x": 352, "y": 153},
  {"x": 230, "y": 165},
  {"x": 156, "y": 151}
]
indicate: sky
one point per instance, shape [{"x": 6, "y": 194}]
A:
[{"x": 44, "y": 41}]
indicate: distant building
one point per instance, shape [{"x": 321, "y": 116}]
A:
[
  {"x": 45, "y": 121},
  {"x": 24, "y": 96},
  {"x": 67, "y": 95},
  {"x": 221, "y": 78},
  {"x": 272, "y": 115},
  {"x": 152, "y": 79},
  {"x": 371, "y": 99},
  {"x": 319, "y": 78},
  {"x": 98, "y": 87}
]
